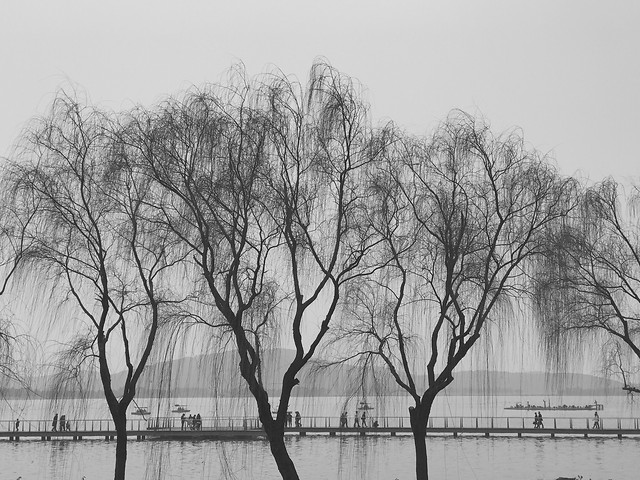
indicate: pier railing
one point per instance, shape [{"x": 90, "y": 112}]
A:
[{"x": 253, "y": 423}]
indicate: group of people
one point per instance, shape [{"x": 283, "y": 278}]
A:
[
  {"x": 359, "y": 421},
  {"x": 537, "y": 420},
  {"x": 60, "y": 425},
  {"x": 191, "y": 422},
  {"x": 298, "y": 418}
]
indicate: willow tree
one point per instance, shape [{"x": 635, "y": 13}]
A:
[
  {"x": 463, "y": 214},
  {"x": 14, "y": 245},
  {"x": 91, "y": 250},
  {"x": 588, "y": 290},
  {"x": 260, "y": 181}
]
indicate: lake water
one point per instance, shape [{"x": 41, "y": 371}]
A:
[
  {"x": 346, "y": 457},
  {"x": 321, "y": 457}
]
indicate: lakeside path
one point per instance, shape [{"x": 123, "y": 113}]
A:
[{"x": 233, "y": 428}]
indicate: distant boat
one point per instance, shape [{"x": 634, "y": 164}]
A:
[
  {"x": 528, "y": 406},
  {"x": 141, "y": 411},
  {"x": 364, "y": 405},
  {"x": 180, "y": 409}
]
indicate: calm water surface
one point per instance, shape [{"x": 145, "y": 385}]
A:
[{"x": 319, "y": 458}]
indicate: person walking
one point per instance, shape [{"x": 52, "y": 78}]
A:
[
  {"x": 364, "y": 418},
  {"x": 17, "y": 424},
  {"x": 54, "y": 424},
  {"x": 298, "y": 419},
  {"x": 183, "y": 420},
  {"x": 596, "y": 421},
  {"x": 356, "y": 420},
  {"x": 540, "y": 422}
]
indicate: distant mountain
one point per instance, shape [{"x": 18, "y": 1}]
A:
[{"x": 218, "y": 375}]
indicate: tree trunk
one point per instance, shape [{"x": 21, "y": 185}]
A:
[
  {"x": 419, "y": 416},
  {"x": 121, "y": 446},
  {"x": 275, "y": 433},
  {"x": 279, "y": 451}
]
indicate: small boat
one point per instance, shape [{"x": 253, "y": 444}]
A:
[
  {"x": 180, "y": 408},
  {"x": 364, "y": 405},
  {"x": 141, "y": 411}
]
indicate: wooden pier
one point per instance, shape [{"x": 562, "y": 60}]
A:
[{"x": 243, "y": 428}]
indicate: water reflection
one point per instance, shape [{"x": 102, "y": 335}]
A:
[{"x": 323, "y": 457}]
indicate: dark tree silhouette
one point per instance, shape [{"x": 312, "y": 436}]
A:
[
  {"x": 91, "y": 242},
  {"x": 463, "y": 216},
  {"x": 589, "y": 288},
  {"x": 261, "y": 182}
]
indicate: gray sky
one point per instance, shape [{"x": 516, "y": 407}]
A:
[{"x": 566, "y": 72}]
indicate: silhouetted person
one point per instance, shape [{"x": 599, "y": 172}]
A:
[
  {"x": 289, "y": 419},
  {"x": 356, "y": 420},
  {"x": 54, "y": 424},
  {"x": 63, "y": 422},
  {"x": 68, "y": 426},
  {"x": 298, "y": 419},
  {"x": 17, "y": 424},
  {"x": 364, "y": 418},
  {"x": 541, "y": 425},
  {"x": 596, "y": 421},
  {"x": 198, "y": 422},
  {"x": 183, "y": 419}
]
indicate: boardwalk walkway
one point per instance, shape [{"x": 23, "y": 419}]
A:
[{"x": 217, "y": 428}]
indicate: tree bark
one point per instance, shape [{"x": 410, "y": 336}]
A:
[
  {"x": 275, "y": 434},
  {"x": 419, "y": 416},
  {"x": 279, "y": 451},
  {"x": 121, "y": 446}
]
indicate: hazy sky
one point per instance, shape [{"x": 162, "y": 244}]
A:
[{"x": 566, "y": 72}]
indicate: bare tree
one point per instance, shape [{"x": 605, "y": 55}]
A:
[
  {"x": 260, "y": 180},
  {"x": 462, "y": 215},
  {"x": 589, "y": 288},
  {"x": 91, "y": 239},
  {"x": 13, "y": 247}
]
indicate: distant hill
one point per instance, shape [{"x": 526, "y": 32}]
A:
[{"x": 218, "y": 375}]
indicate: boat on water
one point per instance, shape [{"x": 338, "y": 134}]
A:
[
  {"x": 141, "y": 411},
  {"x": 547, "y": 406},
  {"x": 180, "y": 408},
  {"x": 364, "y": 405}
]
